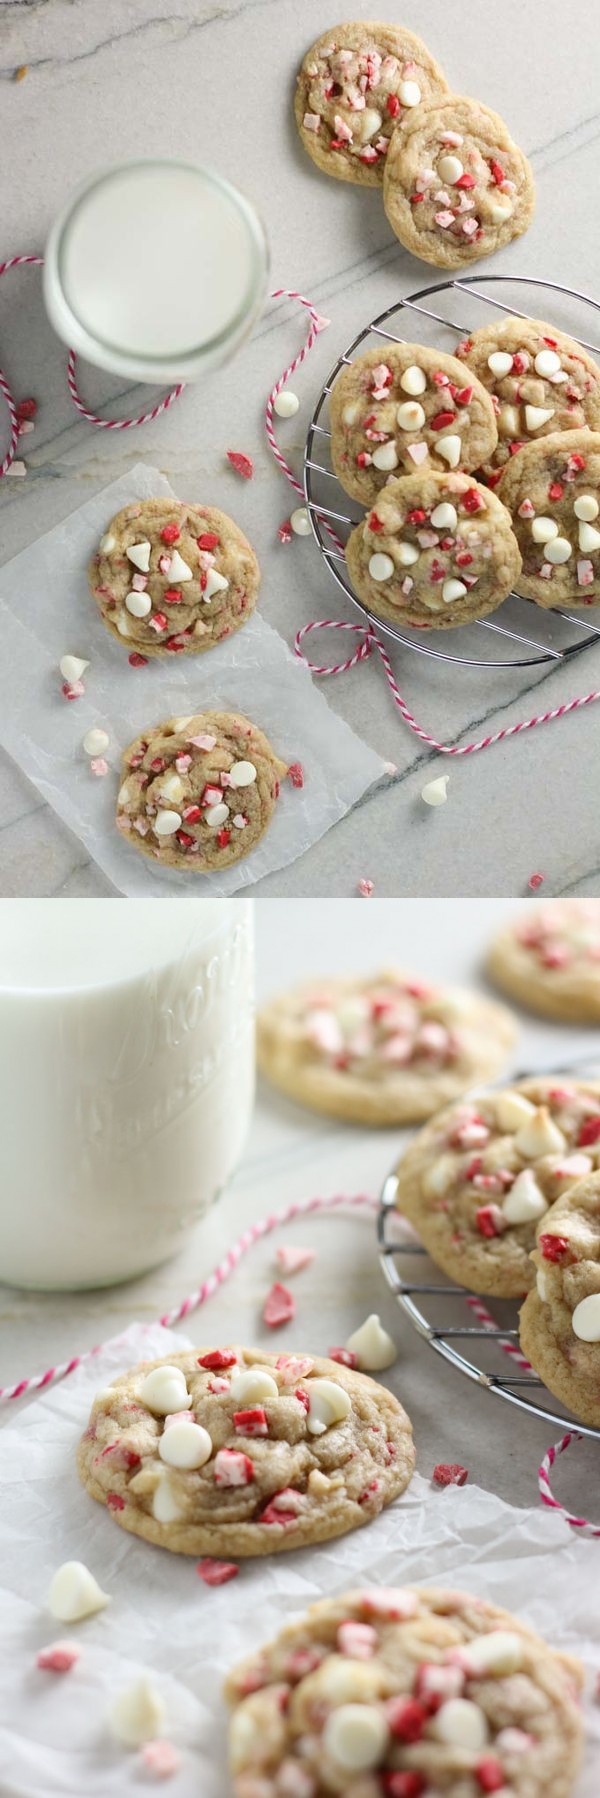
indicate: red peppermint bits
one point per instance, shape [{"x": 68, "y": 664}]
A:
[
  {"x": 417, "y": 516},
  {"x": 415, "y": 199},
  {"x": 25, "y": 409},
  {"x": 158, "y": 621},
  {"x": 450, "y": 1473},
  {"x": 553, "y": 1247},
  {"x": 465, "y": 180},
  {"x": 233, "y": 1468},
  {"x": 489, "y": 1774},
  {"x": 218, "y": 1358},
  {"x": 223, "y": 838},
  {"x": 488, "y": 1220},
  {"x": 216, "y": 1573},
  {"x": 296, "y": 774},
  {"x": 192, "y": 814},
  {"x": 137, "y": 661},
  {"x": 555, "y": 490},
  {"x": 498, "y": 175},
  {"x": 209, "y": 540},
  {"x": 472, "y": 501},
  {"x": 464, "y": 396},
  {"x": 393, "y": 105},
  {"x": 345, "y": 1357},
  {"x": 173, "y": 596},
  {"x": 374, "y": 523},
  {"x": 252, "y": 1422},
  {"x": 535, "y": 881},
  {"x": 589, "y": 1132},
  {"x": 577, "y": 462},
  {"x": 279, "y": 1306},
  {"x": 170, "y": 533},
  {"x": 115, "y": 1502},
  {"x": 243, "y": 464},
  {"x": 158, "y": 765},
  {"x": 184, "y": 839},
  {"x": 403, "y": 1785},
  {"x": 441, "y": 420},
  {"x": 59, "y": 1657},
  {"x": 406, "y": 1718}
]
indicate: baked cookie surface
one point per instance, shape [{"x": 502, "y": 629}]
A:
[
  {"x": 356, "y": 84},
  {"x": 552, "y": 490},
  {"x": 173, "y": 579},
  {"x": 435, "y": 551},
  {"x": 559, "y": 1323},
  {"x": 382, "y": 1049},
  {"x": 455, "y": 185},
  {"x": 407, "y": 1692},
  {"x": 234, "y": 1452},
  {"x": 198, "y": 792},
  {"x": 478, "y": 1179},
  {"x": 410, "y": 408},
  {"x": 541, "y": 381},
  {"x": 550, "y": 960}
]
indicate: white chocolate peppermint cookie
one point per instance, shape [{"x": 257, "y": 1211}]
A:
[
  {"x": 552, "y": 490},
  {"x": 171, "y": 579},
  {"x": 382, "y": 1049},
  {"x": 549, "y": 960},
  {"x": 435, "y": 551},
  {"x": 481, "y": 1177},
  {"x": 405, "y": 1693},
  {"x": 559, "y": 1323},
  {"x": 540, "y": 381},
  {"x": 233, "y": 1452},
  {"x": 357, "y": 84},
  {"x": 455, "y": 185},
  {"x": 410, "y": 409},
  {"x": 199, "y": 792}
]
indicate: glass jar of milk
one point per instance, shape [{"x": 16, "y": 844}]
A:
[
  {"x": 156, "y": 270},
  {"x": 126, "y": 1079}
]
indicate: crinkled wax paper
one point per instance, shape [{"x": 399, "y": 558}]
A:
[
  {"x": 46, "y": 611},
  {"x": 162, "y": 1620}
]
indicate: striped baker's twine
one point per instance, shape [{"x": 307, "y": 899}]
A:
[
  {"x": 545, "y": 1489},
  {"x": 484, "y": 1317}
]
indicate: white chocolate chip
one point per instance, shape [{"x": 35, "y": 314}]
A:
[
  {"x": 139, "y": 604},
  {"x": 179, "y": 570},
  {"x": 253, "y": 1383},
  {"x": 185, "y": 1444},
  {"x": 370, "y": 123},
  {"x": 450, "y": 449},
  {"x": 410, "y": 416},
  {"x": 172, "y": 788},
  {"x": 439, "y": 1176},
  {"x": 586, "y": 507},
  {"x": 589, "y": 537},
  {"x": 541, "y": 1284},
  {"x": 242, "y": 774},
  {"x": 508, "y": 420},
  {"x": 500, "y": 362},
  {"x": 586, "y": 1318},
  {"x": 413, "y": 380},
  {"x": 444, "y": 517},
  {"x": 407, "y": 553},
  {"x": 436, "y": 791},
  {"x": 453, "y": 590},
  {"x": 139, "y": 554},
  {"x": 372, "y": 1346},
  {"x": 512, "y": 1110},
  {"x": 351, "y": 413},
  {"x": 536, "y": 416},
  {"x": 558, "y": 550},
  {"x": 385, "y": 457},
  {"x": 72, "y": 668},
  {"x": 137, "y": 1714},
  {"x": 525, "y": 1201},
  {"x": 124, "y": 793},
  {"x": 381, "y": 568},
  {"x": 74, "y": 1593},
  {"x": 498, "y": 211},
  {"x": 286, "y": 404},
  {"x": 123, "y": 626},
  {"x": 107, "y": 543},
  {"x": 450, "y": 168},
  {"x": 166, "y": 823},
  {"x": 543, "y": 530},
  {"x": 215, "y": 583},
  {"x": 547, "y": 363},
  {"x": 329, "y": 1403},
  {"x": 95, "y": 741},
  {"x": 300, "y": 522},
  {"x": 501, "y": 1651},
  {"x": 165, "y": 1508},
  {"x": 462, "y": 1724},
  {"x": 164, "y": 1390},
  {"x": 409, "y": 93},
  {"x": 539, "y": 1135},
  {"x": 215, "y": 815},
  {"x": 356, "y": 1736}
]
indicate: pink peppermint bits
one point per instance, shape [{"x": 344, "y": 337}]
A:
[
  {"x": 279, "y": 1306},
  {"x": 296, "y": 774},
  {"x": 450, "y": 1473},
  {"x": 233, "y": 1468},
  {"x": 345, "y": 1357},
  {"x": 161, "y": 1758},
  {"x": 292, "y": 1260},
  {"x": 535, "y": 881},
  {"x": 252, "y": 1422},
  {"x": 359, "y": 1640},
  {"x": 242, "y": 464},
  {"x": 365, "y": 889},
  {"x": 285, "y": 532},
  {"x": 216, "y": 1573},
  {"x": 58, "y": 1657}
]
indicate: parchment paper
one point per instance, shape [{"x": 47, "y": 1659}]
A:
[
  {"x": 46, "y": 612},
  {"x": 54, "y": 1738}
]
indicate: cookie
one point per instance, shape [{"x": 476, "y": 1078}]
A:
[
  {"x": 455, "y": 186},
  {"x": 540, "y": 380},
  {"x": 382, "y": 1048},
  {"x": 552, "y": 490},
  {"x": 559, "y": 1324},
  {"x": 199, "y": 792},
  {"x": 170, "y": 579},
  {"x": 357, "y": 84},
  {"x": 549, "y": 960},
  {"x": 409, "y": 1692},
  {"x": 233, "y": 1452},
  {"x": 411, "y": 409},
  {"x": 478, "y": 1179},
  {"x": 436, "y": 551}
]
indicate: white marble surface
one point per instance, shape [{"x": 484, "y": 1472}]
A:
[
  {"x": 113, "y": 78},
  {"x": 291, "y": 1155}
]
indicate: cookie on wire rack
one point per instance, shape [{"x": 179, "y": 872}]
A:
[{"x": 436, "y": 552}]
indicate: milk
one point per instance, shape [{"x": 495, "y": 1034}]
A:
[
  {"x": 155, "y": 269},
  {"x": 126, "y": 1079}
]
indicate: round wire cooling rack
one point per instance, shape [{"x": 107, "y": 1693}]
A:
[
  {"x": 435, "y": 1306},
  {"x": 536, "y": 636}
]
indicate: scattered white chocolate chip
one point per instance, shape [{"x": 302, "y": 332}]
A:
[
  {"x": 589, "y": 537},
  {"x": 559, "y": 550},
  {"x": 95, "y": 741},
  {"x": 300, "y": 522},
  {"x": 413, "y": 380},
  {"x": 139, "y": 554},
  {"x": 450, "y": 449},
  {"x": 500, "y": 362},
  {"x": 372, "y": 1346},
  {"x": 409, "y": 93},
  {"x": 215, "y": 815},
  {"x": 286, "y": 404},
  {"x": 450, "y": 168},
  {"x": 586, "y": 1318},
  {"x": 165, "y": 1508},
  {"x": 356, "y": 1736},
  {"x": 74, "y": 1593},
  {"x": 512, "y": 1110},
  {"x": 525, "y": 1200},
  {"x": 107, "y": 543},
  {"x": 410, "y": 416},
  {"x": 462, "y": 1724},
  {"x": 499, "y": 210},
  {"x": 139, "y": 604},
  {"x": 407, "y": 553},
  {"x": 253, "y": 1383},
  {"x": 539, "y": 1135},
  {"x": 179, "y": 570},
  {"x": 215, "y": 583},
  {"x": 500, "y": 1651},
  {"x": 381, "y": 568},
  {"x": 164, "y": 1390},
  {"x": 137, "y": 1714},
  {"x": 185, "y": 1444},
  {"x": 370, "y": 123},
  {"x": 436, "y": 791},
  {"x": 544, "y": 530},
  {"x": 536, "y": 416},
  {"x": 547, "y": 363},
  {"x": 166, "y": 823},
  {"x": 384, "y": 457},
  {"x": 453, "y": 589},
  {"x": 444, "y": 517},
  {"x": 242, "y": 774},
  {"x": 72, "y": 667},
  {"x": 329, "y": 1403},
  {"x": 586, "y": 507}
]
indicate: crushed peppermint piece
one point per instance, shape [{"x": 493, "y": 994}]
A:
[
  {"x": 284, "y": 531},
  {"x": 535, "y": 881},
  {"x": 279, "y": 1306},
  {"x": 73, "y": 689},
  {"x": 98, "y": 766},
  {"x": 241, "y": 463},
  {"x": 295, "y": 774},
  {"x": 365, "y": 889},
  {"x": 292, "y": 1259},
  {"x": 216, "y": 1573},
  {"x": 161, "y": 1758},
  {"x": 450, "y": 1473},
  {"x": 58, "y": 1657}
]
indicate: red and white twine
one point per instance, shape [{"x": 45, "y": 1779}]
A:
[
  {"x": 484, "y": 1317},
  {"x": 545, "y": 1489}
]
